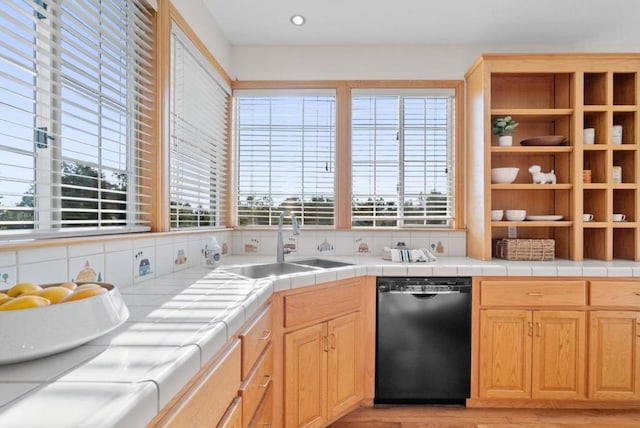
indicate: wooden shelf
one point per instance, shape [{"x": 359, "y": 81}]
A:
[
  {"x": 538, "y": 112},
  {"x": 531, "y": 149},
  {"x": 531, "y": 186},
  {"x": 598, "y": 92},
  {"x": 529, "y": 223}
]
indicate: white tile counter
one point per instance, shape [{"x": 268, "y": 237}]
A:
[{"x": 179, "y": 321}]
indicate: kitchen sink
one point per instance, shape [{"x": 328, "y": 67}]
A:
[
  {"x": 274, "y": 269},
  {"x": 269, "y": 269},
  {"x": 320, "y": 263}
]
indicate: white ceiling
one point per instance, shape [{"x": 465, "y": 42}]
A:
[{"x": 601, "y": 23}]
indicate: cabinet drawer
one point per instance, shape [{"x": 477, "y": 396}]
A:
[
  {"x": 233, "y": 417},
  {"x": 254, "y": 387},
  {"x": 205, "y": 403},
  {"x": 533, "y": 293},
  {"x": 264, "y": 415},
  {"x": 321, "y": 305},
  {"x": 612, "y": 293},
  {"x": 255, "y": 338}
]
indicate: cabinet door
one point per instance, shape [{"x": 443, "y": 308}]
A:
[
  {"x": 505, "y": 353},
  {"x": 559, "y": 349},
  {"x": 614, "y": 369},
  {"x": 233, "y": 417},
  {"x": 344, "y": 360},
  {"x": 305, "y": 376}
]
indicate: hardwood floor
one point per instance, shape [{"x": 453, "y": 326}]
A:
[{"x": 460, "y": 417}]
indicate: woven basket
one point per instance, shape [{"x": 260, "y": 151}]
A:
[{"x": 525, "y": 249}]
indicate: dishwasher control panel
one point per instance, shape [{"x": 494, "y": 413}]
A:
[{"x": 424, "y": 285}]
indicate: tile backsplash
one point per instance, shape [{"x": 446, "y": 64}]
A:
[{"x": 129, "y": 261}]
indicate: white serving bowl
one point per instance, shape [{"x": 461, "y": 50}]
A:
[
  {"x": 496, "y": 215},
  {"x": 37, "y": 332},
  {"x": 516, "y": 215},
  {"x": 504, "y": 175}
]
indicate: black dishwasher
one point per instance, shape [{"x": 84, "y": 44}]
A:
[{"x": 423, "y": 340}]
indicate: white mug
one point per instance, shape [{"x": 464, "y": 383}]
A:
[
  {"x": 619, "y": 217},
  {"x": 589, "y": 136},
  {"x": 616, "y": 134},
  {"x": 587, "y": 217}
]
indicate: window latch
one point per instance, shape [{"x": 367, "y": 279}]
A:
[
  {"x": 42, "y": 137},
  {"x": 43, "y": 5}
]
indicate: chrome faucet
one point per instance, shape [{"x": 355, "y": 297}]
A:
[{"x": 281, "y": 251}]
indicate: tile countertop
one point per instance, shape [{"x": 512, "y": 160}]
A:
[{"x": 179, "y": 321}]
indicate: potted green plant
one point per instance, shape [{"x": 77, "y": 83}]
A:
[{"x": 503, "y": 127}]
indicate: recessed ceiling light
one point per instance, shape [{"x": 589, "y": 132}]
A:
[{"x": 297, "y": 20}]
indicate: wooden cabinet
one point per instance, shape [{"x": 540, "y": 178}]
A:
[
  {"x": 321, "y": 370},
  {"x": 204, "y": 401},
  {"x": 324, "y": 361},
  {"x": 614, "y": 352},
  {"x": 233, "y": 417},
  {"x": 556, "y": 95},
  {"x": 614, "y": 342},
  {"x": 532, "y": 354},
  {"x": 257, "y": 365}
]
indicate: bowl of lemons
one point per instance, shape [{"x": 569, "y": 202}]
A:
[{"x": 46, "y": 319}]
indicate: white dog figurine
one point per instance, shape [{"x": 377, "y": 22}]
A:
[{"x": 542, "y": 177}]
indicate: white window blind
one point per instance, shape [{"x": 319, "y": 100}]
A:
[
  {"x": 198, "y": 154},
  {"x": 75, "y": 104},
  {"x": 286, "y": 153},
  {"x": 402, "y": 158}
]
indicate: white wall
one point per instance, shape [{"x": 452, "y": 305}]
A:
[
  {"x": 202, "y": 23},
  {"x": 379, "y": 62},
  {"x": 358, "y": 62}
]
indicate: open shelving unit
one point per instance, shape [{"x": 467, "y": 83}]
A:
[{"x": 553, "y": 94}]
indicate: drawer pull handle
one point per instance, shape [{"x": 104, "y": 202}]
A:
[
  {"x": 539, "y": 328},
  {"x": 535, "y": 293},
  {"x": 264, "y": 385},
  {"x": 265, "y": 335},
  {"x": 333, "y": 341},
  {"x": 530, "y": 328},
  {"x": 637, "y": 293},
  {"x": 266, "y": 424}
]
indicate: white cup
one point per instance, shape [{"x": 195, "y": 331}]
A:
[
  {"x": 496, "y": 215},
  {"x": 589, "y": 136},
  {"x": 587, "y": 217},
  {"x": 619, "y": 217},
  {"x": 616, "y": 134}
]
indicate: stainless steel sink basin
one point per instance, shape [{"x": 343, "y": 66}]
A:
[
  {"x": 269, "y": 269},
  {"x": 319, "y": 263}
]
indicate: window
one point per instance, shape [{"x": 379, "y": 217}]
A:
[
  {"x": 74, "y": 113},
  {"x": 286, "y": 153},
  {"x": 198, "y": 154},
  {"x": 402, "y": 155}
]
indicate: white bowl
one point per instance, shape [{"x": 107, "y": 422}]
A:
[
  {"x": 496, "y": 215},
  {"x": 516, "y": 215},
  {"x": 504, "y": 175},
  {"x": 41, "y": 331}
]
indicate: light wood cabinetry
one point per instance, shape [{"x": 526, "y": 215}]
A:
[
  {"x": 323, "y": 353},
  {"x": 233, "y": 417},
  {"x": 204, "y": 401},
  {"x": 532, "y": 354},
  {"x": 556, "y": 342},
  {"x": 614, "y": 342},
  {"x": 231, "y": 390},
  {"x": 556, "y": 95}
]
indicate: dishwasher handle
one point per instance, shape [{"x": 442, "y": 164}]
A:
[{"x": 426, "y": 292}]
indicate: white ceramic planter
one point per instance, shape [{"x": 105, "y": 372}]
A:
[{"x": 505, "y": 140}]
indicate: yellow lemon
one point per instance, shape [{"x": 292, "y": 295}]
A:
[
  {"x": 70, "y": 285},
  {"x": 24, "y": 302},
  {"x": 23, "y": 288},
  {"x": 87, "y": 285},
  {"x": 54, "y": 294},
  {"x": 84, "y": 293},
  {"x": 5, "y": 299}
]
